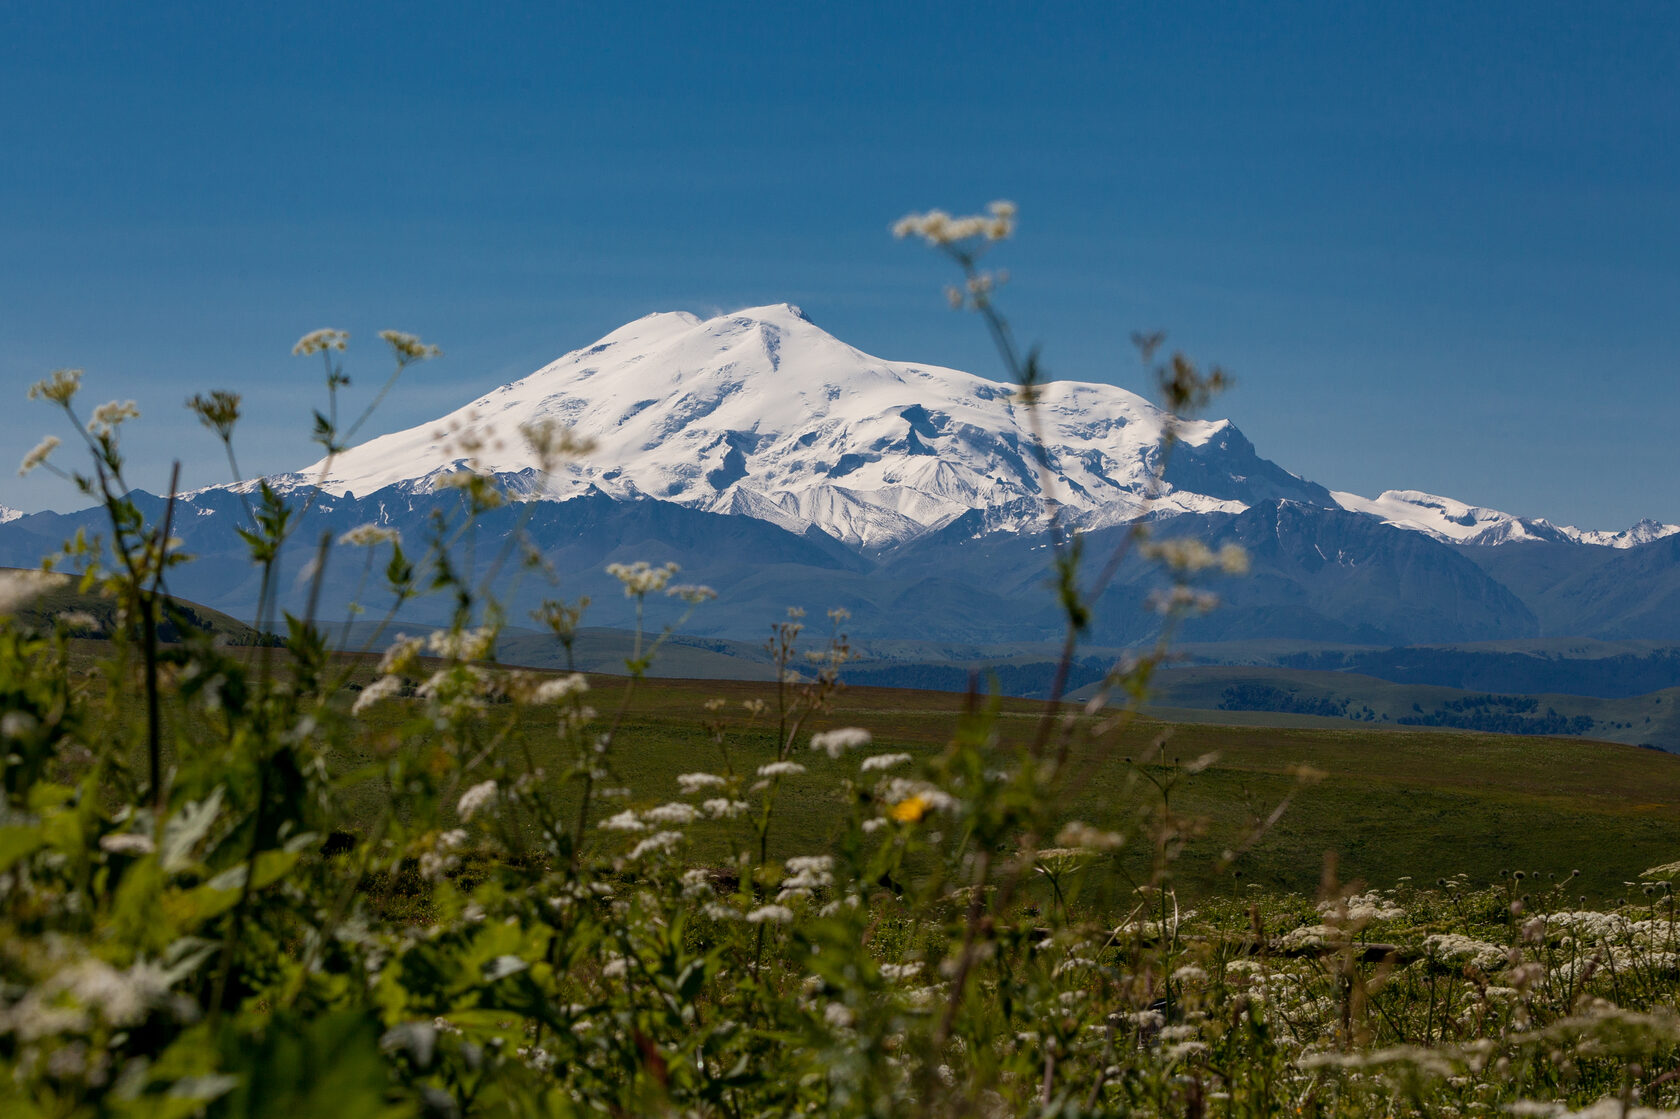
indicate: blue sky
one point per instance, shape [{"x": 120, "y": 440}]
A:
[{"x": 1439, "y": 245}]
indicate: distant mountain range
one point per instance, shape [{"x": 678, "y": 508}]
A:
[{"x": 783, "y": 467}]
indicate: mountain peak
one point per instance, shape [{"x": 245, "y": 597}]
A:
[{"x": 760, "y": 411}]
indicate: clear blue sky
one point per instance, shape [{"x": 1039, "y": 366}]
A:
[{"x": 1438, "y": 244}]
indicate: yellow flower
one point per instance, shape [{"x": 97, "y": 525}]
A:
[{"x": 911, "y": 809}]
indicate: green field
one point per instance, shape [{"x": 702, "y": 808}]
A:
[{"x": 1393, "y": 804}]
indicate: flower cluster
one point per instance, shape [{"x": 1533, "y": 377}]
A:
[{"x": 937, "y": 227}]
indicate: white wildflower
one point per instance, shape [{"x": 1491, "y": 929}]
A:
[
  {"x": 691, "y": 783},
  {"x": 895, "y": 973},
  {"x": 463, "y": 644},
  {"x": 17, "y": 724},
  {"x": 883, "y": 761},
  {"x": 126, "y": 843},
  {"x": 370, "y": 534},
  {"x": 317, "y": 341},
  {"x": 624, "y": 821},
  {"x": 401, "y": 655},
  {"x": 836, "y": 742},
  {"x": 1453, "y": 946},
  {"x": 38, "y": 454},
  {"x": 383, "y": 688},
  {"x": 722, "y": 808},
  {"x": 559, "y": 688},
  {"x": 781, "y": 769},
  {"x": 775, "y": 914},
  {"x": 59, "y": 388},
  {"x": 407, "y": 347},
  {"x": 658, "y": 841},
  {"x": 474, "y": 799},
  {"x": 937, "y": 227},
  {"x": 641, "y": 577},
  {"x": 674, "y": 813},
  {"x": 107, "y": 416},
  {"x": 837, "y": 1015},
  {"x": 1083, "y": 836}
]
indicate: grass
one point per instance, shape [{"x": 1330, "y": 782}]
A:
[{"x": 1393, "y": 804}]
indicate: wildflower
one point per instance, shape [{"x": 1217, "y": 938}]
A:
[
  {"x": 368, "y": 535},
  {"x": 1085, "y": 837},
  {"x": 693, "y": 594},
  {"x": 774, "y": 914},
  {"x": 16, "y": 724},
  {"x": 802, "y": 864},
  {"x": 1453, "y": 946},
  {"x": 781, "y": 769},
  {"x": 936, "y": 227},
  {"x": 696, "y": 882},
  {"x": 401, "y": 655},
  {"x": 674, "y": 813},
  {"x": 615, "y": 967},
  {"x": 78, "y": 619},
  {"x": 558, "y": 688},
  {"x": 894, "y": 973},
  {"x": 721, "y": 808},
  {"x": 836, "y": 742},
  {"x": 837, "y": 1015},
  {"x": 19, "y": 587},
  {"x": 911, "y": 800},
  {"x": 38, "y": 454},
  {"x": 624, "y": 821},
  {"x": 911, "y": 808},
  {"x": 474, "y": 799},
  {"x": 219, "y": 411},
  {"x": 407, "y": 347},
  {"x": 658, "y": 841},
  {"x": 108, "y": 415},
  {"x": 126, "y": 843},
  {"x": 883, "y": 761},
  {"x": 319, "y": 341},
  {"x": 809, "y": 872},
  {"x": 691, "y": 783},
  {"x": 382, "y": 688},
  {"x": 59, "y": 388},
  {"x": 462, "y": 644},
  {"x": 641, "y": 577},
  {"x": 1181, "y": 600},
  {"x": 551, "y": 440}
]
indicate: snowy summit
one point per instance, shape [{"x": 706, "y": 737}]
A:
[{"x": 761, "y": 413}]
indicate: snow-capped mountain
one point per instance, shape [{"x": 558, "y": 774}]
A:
[
  {"x": 7, "y": 513},
  {"x": 1458, "y": 523},
  {"x": 783, "y": 467},
  {"x": 762, "y": 413}
]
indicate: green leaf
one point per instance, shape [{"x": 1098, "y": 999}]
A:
[{"x": 17, "y": 842}]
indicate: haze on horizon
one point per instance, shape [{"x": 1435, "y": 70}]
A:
[{"x": 1437, "y": 246}]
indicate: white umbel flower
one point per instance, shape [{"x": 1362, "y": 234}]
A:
[{"x": 474, "y": 799}]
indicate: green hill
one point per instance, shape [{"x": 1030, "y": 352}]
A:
[{"x": 39, "y": 600}]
